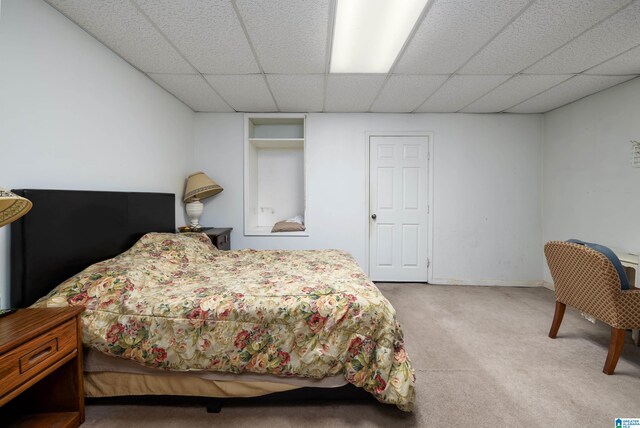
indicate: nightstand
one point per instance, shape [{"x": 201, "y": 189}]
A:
[
  {"x": 220, "y": 237},
  {"x": 41, "y": 368}
]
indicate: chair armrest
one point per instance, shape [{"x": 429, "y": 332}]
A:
[{"x": 628, "y": 309}]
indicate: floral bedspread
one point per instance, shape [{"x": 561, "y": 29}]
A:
[{"x": 173, "y": 301}]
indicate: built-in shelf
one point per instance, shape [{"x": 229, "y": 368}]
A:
[
  {"x": 266, "y": 231},
  {"x": 274, "y": 172},
  {"x": 277, "y": 143}
]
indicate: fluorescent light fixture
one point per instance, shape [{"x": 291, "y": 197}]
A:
[{"x": 368, "y": 34}]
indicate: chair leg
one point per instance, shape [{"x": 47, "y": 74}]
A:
[
  {"x": 557, "y": 319},
  {"x": 615, "y": 348}
]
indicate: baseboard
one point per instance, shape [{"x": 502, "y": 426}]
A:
[
  {"x": 487, "y": 282},
  {"x": 549, "y": 285}
]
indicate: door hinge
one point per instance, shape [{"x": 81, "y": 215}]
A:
[
  {"x": 428, "y": 262},
  {"x": 428, "y": 209}
]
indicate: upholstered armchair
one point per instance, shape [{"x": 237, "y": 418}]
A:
[{"x": 586, "y": 280}]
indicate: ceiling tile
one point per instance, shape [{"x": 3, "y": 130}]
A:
[
  {"x": 121, "y": 26},
  {"x": 404, "y": 93},
  {"x": 543, "y": 27},
  {"x": 573, "y": 89},
  {"x": 625, "y": 63},
  {"x": 352, "y": 93},
  {"x": 244, "y": 92},
  {"x": 612, "y": 37},
  {"x": 297, "y": 93},
  {"x": 193, "y": 91},
  {"x": 207, "y": 33},
  {"x": 452, "y": 31},
  {"x": 514, "y": 91},
  {"x": 289, "y": 36},
  {"x": 459, "y": 91}
]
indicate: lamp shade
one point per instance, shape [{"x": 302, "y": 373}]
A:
[
  {"x": 200, "y": 186},
  {"x": 12, "y": 207}
]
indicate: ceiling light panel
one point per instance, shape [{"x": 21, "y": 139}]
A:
[
  {"x": 289, "y": 36},
  {"x": 543, "y": 27},
  {"x": 120, "y": 26},
  {"x": 459, "y": 91},
  {"x": 352, "y": 93},
  {"x": 626, "y": 63},
  {"x": 514, "y": 91},
  {"x": 402, "y": 94},
  {"x": 295, "y": 93},
  {"x": 368, "y": 34},
  {"x": 452, "y": 32},
  {"x": 193, "y": 91},
  {"x": 604, "y": 41},
  {"x": 247, "y": 93},
  {"x": 207, "y": 33},
  {"x": 571, "y": 90}
]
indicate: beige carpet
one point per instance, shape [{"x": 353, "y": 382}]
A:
[{"x": 482, "y": 358}]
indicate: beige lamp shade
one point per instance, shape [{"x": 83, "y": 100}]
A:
[
  {"x": 12, "y": 207},
  {"x": 200, "y": 186}
]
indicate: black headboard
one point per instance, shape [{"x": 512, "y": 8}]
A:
[{"x": 68, "y": 230}]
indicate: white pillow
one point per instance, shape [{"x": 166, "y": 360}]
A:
[{"x": 297, "y": 219}]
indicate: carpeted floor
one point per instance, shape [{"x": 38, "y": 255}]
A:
[{"x": 482, "y": 359}]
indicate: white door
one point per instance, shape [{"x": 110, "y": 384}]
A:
[{"x": 398, "y": 208}]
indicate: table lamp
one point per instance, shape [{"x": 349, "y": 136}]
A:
[
  {"x": 199, "y": 186},
  {"x": 12, "y": 207}
]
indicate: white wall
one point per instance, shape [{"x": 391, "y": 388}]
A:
[
  {"x": 591, "y": 192},
  {"x": 487, "y": 189},
  {"x": 280, "y": 185},
  {"x": 73, "y": 115}
]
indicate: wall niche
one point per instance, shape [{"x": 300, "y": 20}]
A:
[{"x": 274, "y": 172}]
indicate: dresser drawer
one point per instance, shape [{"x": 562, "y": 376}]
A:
[
  {"x": 220, "y": 237},
  {"x": 223, "y": 242},
  {"x": 34, "y": 357}
]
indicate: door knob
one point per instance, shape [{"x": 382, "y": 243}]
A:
[{"x": 373, "y": 216}]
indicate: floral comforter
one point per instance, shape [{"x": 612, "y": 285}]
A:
[{"x": 173, "y": 301}]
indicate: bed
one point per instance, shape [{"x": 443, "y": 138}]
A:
[{"x": 171, "y": 315}]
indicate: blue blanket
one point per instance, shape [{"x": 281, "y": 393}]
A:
[{"x": 606, "y": 251}]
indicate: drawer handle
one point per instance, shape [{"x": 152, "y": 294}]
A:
[
  {"x": 34, "y": 358},
  {"x": 38, "y": 355}
]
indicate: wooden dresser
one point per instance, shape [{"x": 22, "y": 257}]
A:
[{"x": 41, "y": 368}]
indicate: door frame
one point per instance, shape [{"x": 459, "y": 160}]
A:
[{"x": 430, "y": 165}]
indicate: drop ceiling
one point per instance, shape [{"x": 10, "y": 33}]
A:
[{"x": 473, "y": 56}]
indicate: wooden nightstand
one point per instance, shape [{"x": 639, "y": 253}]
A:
[
  {"x": 41, "y": 368},
  {"x": 220, "y": 236}
]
